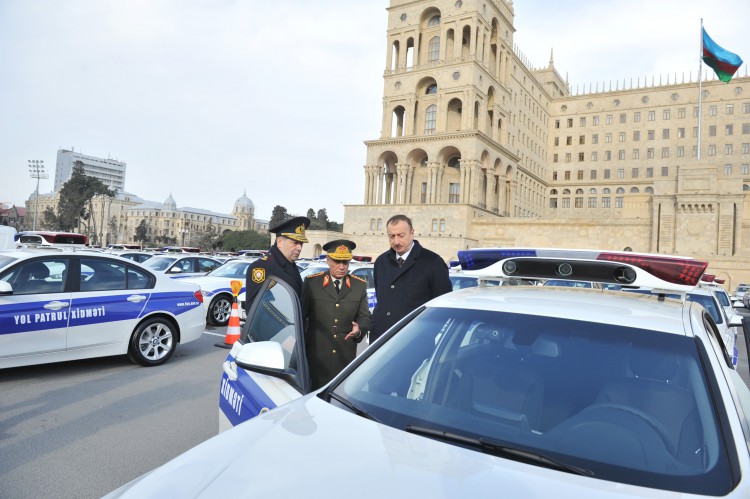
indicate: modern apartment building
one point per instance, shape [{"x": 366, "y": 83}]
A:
[{"x": 109, "y": 171}]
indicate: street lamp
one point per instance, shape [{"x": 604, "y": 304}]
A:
[{"x": 37, "y": 171}]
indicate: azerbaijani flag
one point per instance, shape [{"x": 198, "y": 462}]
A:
[{"x": 723, "y": 62}]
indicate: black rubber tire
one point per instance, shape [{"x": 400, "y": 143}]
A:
[
  {"x": 153, "y": 342},
  {"x": 219, "y": 310}
]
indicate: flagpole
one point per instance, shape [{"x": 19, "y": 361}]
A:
[{"x": 700, "y": 90}]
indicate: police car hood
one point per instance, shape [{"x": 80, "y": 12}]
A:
[{"x": 309, "y": 448}]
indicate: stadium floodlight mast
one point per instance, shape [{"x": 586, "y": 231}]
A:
[{"x": 37, "y": 171}]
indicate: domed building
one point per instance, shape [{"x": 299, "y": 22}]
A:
[{"x": 244, "y": 210}]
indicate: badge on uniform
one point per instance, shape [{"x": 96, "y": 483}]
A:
[{"x": 259, "y": 275}]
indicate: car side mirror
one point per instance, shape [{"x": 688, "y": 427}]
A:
[
  {"x": 735, "y": 320},
  {"x": 5, "y": 288},
  {"x": 261, "y": 354},
  {"x": 175, "y": 270}
]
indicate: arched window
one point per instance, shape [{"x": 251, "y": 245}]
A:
[
  {"x": 649, "y": 190},
  {"x": 431, "y": 89},
  {"x": 442, "y": 225},
  {"x": 553, "y": 192},
  {"x": 606, "y": 190},
  {"x": 566, "y": 192},
  {"x": 380, "y": 224},
  {"x": 592, "y": 191},
  {"x": 433, "y": 49},
  {"x": 634, "y": 190},
  {"x": 372, "y": 224},
  {"x": 579, "y": 191},
  {"x": 430, "y": 119},
  {"x": 454, "y": 162},
  {"x": 434, "y": 21},
  {"x": 620, "y": 190},
  {"x": 745, "y": 187}
]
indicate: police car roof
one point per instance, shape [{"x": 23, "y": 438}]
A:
[{"x": 588, "y": 305}]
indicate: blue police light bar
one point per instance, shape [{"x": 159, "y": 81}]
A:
[{"x": 624, "y": 268}]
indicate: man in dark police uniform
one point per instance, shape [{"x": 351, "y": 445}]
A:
[
  {"x": 279, "y": 261},
  {"x": 336, "y": 315}
]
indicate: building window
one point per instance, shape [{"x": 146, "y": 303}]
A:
[
  {"x": 622, "y": 136},
  {"x": 623, "y": 118},
  {"x": 372, "y": 224},
  {"x": 567, "y": 175},
  {"x": 579, "y": 174},
  {"x": 681, "y": 112},
  {"x": 607, "y": 155},
  {"x": 581, "y": 139},
  {"x": 730, "y": 109},
  {"x": 681, "y": 151},
  {"x": 649, "y": 172},
  {"x": 727, "y": 169},
  {"x": 665, "y": 171},
  {"x": 712, "y": 111},
  {"x": 566, "y": 202},
  {"x": 607, "y": 173},
  {"x": 553, "y": 202},
  {"x": 634, "y": 172},
  {"x": 746, "y": 108},
  {"x": 583, "y": 121},
  {"x": 594, "y": 156},
  {"x": 608, "y": 138},
  {"x": 636, "y": 153},
  {"x": 593, "y": 174},
  {"x": 652, "y": 115},
  {"x": 434, "y": 21},
  {"x": 430, "y": 120},
  {"x": 637, "y": 117},
  {"x": 554, "y": 158},
  {"x": 557, "y": 123},
  {"x": 695, "y": 112},
  {"x": 605, "y": 202},
  {"x": 695, "y": 132},
  {"x": 650, "y": 153},
  {"x": 433, "y": 50},
  {"x": 580, "y": 156},
  {"x": 745, "y": 128},
  {"x": 665, "y": 133},
  {"x": 621, "y": 173},
  {"x": 568, "y": 157},
  {"x": 596, "y": 120},
  {"x": 665, "y": 152},
  {"x": 570, "y": 122},
  {"x": 727, "y": 149},
  {"x": 595, "y": 138},
  {"x": 442, "y": 225},
  {"x": 695, "y": 151},
  {"x": 745, "y": 169},
  {"x": 712, "y": 150},
  {"x": 728, "y": 130},
  {"x": 434, "y": 225},
  {"x": 618, "y": 201},
  {"x": 680, "y": 133},
  {"x": 554, "y": 175},
  {"x": 579, "y": 202},
  {"x": 650, "y": 135},
  {"x": 423, "y": 193},
  {"x": 568, "y": 140},
  {"x": 609, "y": 119},
  {"x": 636, "y": 135},
  {"x": 745, "y": 148},
  {"x": 557, "y": 141},
  {"x": 621, "y": 154},
  {"x": 665, "y": 114},
  {"x": 453, "y": 193},
  {"x": 380, "y": 224},
  {"x": 592, "y": 202}
]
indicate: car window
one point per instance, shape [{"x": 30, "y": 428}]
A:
[
  {"x": 588, "y": 394},
  {"x": 232, "y": 269},
  {"x": 138, "y": 279},
  {"x": 723, "y": 298},
  {"x": 102, "y": 275},
  {"x": 38, "y": 276},
  {"x": 206, "y": 265},
  {"x": 709, "y": 304},
  {"x": 159, "y": 263},
  {"x": 366, "y": 274}
]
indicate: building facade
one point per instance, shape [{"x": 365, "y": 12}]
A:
[
  {"x": 109, "y": 171},
  {"x": 480, "y": 149}
]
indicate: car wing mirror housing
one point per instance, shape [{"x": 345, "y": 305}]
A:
[
  {"x": 261, "y": 355},
  {"x": 5, "y": 288}
]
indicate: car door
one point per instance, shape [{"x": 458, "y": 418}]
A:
[
  {"x": 267, "y": 367},
  {"x": 108, "y": 303},
  {"x": 34, "y": 315},
  {"x": 368, "y": 274}
]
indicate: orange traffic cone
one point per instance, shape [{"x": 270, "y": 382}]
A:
[{"x": 233, "y": 328}]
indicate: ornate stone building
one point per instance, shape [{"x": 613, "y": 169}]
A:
[{"x": 480, "y": 149}]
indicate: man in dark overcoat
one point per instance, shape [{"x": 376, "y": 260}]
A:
[
  {"x": 336, "y": 315},
  {"x": 406, "y": 276}
]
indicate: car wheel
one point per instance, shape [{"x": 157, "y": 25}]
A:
[
  {"x": 153, "y": 342},
  {"x": 220, "y": 310}
]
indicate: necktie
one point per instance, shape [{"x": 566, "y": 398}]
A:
[
  {"x": 337, "y": 285},
  {"x": 400, "y": 261}
]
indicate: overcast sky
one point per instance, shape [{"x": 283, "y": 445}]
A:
[{"x": 207, "y": 99}]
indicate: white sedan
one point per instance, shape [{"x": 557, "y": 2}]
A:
[
  {"x": 179, "y": 266},
  {"x": 58, "y": 305},
  {"x": 217, "y": 291},
  {"x": 512, "y": 391}
]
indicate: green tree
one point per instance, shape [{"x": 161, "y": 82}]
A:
[
  {"x": 206, "y": 239},
  {"x": 278, "y": 215},
  {"x": 75, "y": 198},
  {"x": 244, "y": 239},
  {"x": 49, "y": 220},
  {"x": 141, "y": 232}
]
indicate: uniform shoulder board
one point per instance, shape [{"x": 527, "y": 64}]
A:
[
  {"x": 357, "y": 278},
  {"x": 317, "y": 274},
  {"x": 264, "y": 257}
]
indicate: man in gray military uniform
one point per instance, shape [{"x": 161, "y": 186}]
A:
[{"x": 336, "y": 315}]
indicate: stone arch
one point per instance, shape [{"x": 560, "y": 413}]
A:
[
  {"x": 454, "y": 115},
  {"x": 397, "y": 121}
]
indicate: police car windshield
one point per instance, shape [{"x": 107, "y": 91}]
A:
[
  {"x": 236, "y": 269},
  {"x": 723, "y": 298},
  {"x": 552, "y": 386},
  {"x": 159, "y": 262},
  {"x": 708, "y": 302}
]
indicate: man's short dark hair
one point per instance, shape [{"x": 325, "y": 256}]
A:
[{"x": 399, "y": 218}]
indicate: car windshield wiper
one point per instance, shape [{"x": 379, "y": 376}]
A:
[
  {"x": 498, "y": 449},
  {"x": 351, "y": 406}
]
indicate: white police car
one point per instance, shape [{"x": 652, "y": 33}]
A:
[
  {"x": 66, "y": 304},
  {"x": 512, "y": 391},
  {"x": 217, "y": 291},
  {"x": 178, "y": 266}
]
